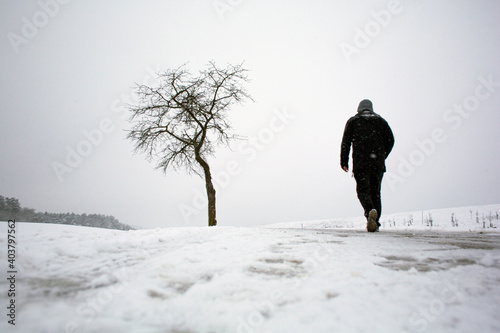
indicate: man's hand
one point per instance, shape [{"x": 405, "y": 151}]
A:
[{"x": 346, "y": 169}]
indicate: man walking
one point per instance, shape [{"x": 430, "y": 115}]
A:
[{"x": 372, "y": 141}]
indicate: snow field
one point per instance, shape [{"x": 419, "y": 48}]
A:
[
  {"x": 471, "y": 218},
  {"x": 262, "y": 279}
]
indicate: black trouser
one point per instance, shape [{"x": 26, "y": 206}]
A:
[{"x": 368, "y": 185}]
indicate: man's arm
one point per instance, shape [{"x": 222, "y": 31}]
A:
[
  {"x": 388, "y": 139},
  {"x": 345, "y": 147}
]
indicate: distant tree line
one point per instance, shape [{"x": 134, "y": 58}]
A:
[{"x": 11, "y": 209}]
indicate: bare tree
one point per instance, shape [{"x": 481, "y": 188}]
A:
[{"x": 183, "y": 119}]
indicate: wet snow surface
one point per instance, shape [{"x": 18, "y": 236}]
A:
[{"x": 262, "y": 279}]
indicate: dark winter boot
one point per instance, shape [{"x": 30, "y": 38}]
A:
[{"x": 372, "y": 225}]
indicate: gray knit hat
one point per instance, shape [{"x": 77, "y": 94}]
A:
[{"x": 365, "y": 104}]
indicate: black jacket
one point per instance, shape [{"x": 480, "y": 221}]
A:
[{"x": 371, "y": 138}]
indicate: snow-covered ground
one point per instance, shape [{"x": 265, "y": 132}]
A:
[
  {"x": 319, "y": 276},
  {"x": 473, "y": 218}
]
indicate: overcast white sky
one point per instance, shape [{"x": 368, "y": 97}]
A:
[{"x": 430, "y": 67}]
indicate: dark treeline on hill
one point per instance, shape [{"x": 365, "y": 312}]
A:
[{"x": 11, "y": 209}]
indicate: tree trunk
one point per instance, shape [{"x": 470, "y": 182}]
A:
[{"x": 210, "y": 191}]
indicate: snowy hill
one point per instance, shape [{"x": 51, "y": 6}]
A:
[
  {"x": 319, "y": 276},
  {"x": 472, "y": 218}
]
